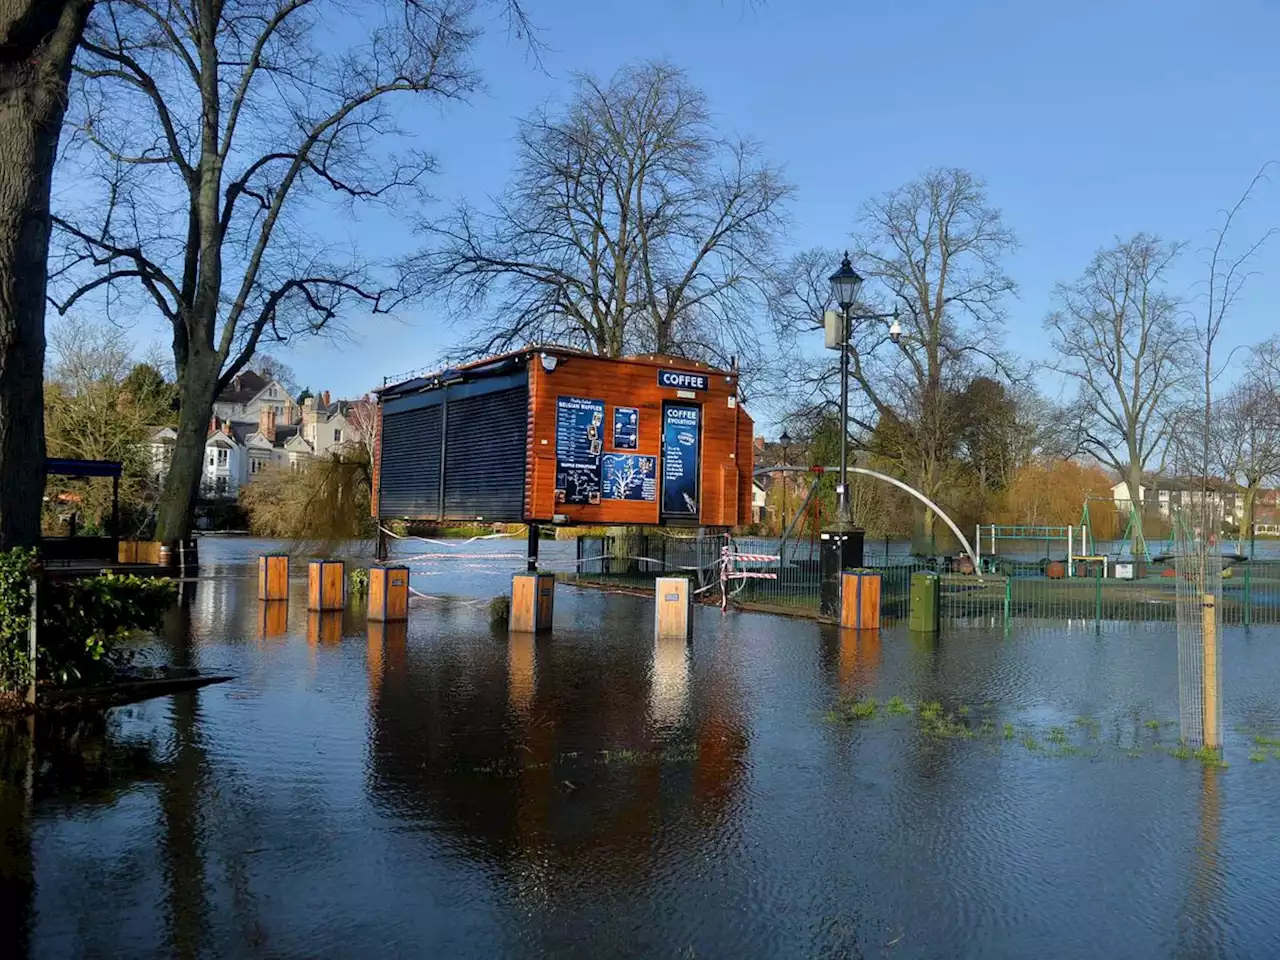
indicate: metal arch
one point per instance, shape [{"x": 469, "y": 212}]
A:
[{"x": 968, "y": 547}]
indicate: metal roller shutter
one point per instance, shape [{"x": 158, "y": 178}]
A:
[
  {"x": 409, "y": 484},
  {"x": 485, "y": 456}
]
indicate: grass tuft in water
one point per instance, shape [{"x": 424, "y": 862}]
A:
[
  {"x": 1210, "y": 757},
  {"x": 1152, "y": 724},
  {"x": 1057, "y": 735},
  {"x": 1258, "y": 756},
  {"x": 897, "y": 706},
  {"x": 850, "y": 709},
  {"x": 1008, "y": 731}
]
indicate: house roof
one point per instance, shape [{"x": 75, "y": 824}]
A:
[
  {"x": 243, "y": 388},
  {"x": 1196, "y": 483},
  {"x": 242, "y": 431}
]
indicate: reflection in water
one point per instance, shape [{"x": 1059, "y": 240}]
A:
[
  {"x": 1201, "y": 933},
  {"x": 436, "y": 789},
  {"x": 859, "y": 657},
  {"x": 325, "y": 628},
  {"x": 273, "y": 618},
  {"x": 669, "y": 692},
  {"x": 521, "y": 666},
  {"x": 17, "y": 802}
]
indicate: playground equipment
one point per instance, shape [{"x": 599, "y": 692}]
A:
[
  {"x": 1136, "y": 542},
  {"x": 1075, "y": 542}
]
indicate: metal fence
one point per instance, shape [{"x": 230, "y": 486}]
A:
[{"x": 1250, "y": 589}]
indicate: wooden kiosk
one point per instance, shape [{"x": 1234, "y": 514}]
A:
[{"x": 557, "y": 436}]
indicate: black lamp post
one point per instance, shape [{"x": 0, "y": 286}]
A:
[
  {"x": 785, "y": 441},
  {"x": 845, "y": 284}
]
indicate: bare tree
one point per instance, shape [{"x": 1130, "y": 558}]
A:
[
  {"x": 1245, "y": 433},
  {"x": 631, "y": 226},
  {"x": 933, "y": 249},
  {"x": 98, "y": 407},
  {"x": 210, "y": 125},
  {"x": 1227, "y": 274},
  {"x": 37, "y": 44},
  {"x": 1119, "y": 337},
  {"x": 270, "y": 367}
]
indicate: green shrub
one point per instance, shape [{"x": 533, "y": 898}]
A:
[
  {"x": 81, "y": 621},
  {"x": 359, "y": 580}
]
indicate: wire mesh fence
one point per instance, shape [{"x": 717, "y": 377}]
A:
[
  {"x": 1199, "y": 579},
  {"x": 1248, "y": 591}
]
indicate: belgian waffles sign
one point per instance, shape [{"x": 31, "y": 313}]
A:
[{"x": 682, "y": 380}]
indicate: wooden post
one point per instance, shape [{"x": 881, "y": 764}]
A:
[
  {"x": 388, "y": 593},
  {"x": 326, "y": 585},
  {"x": 532, "y": 602},
  {"x": 33, "y": 633},
  {"x": 1210, "y": 672},
  {"x": 673, "y": 613},
  {"x": 273, "y": 576},
  {"x": 860, "y": 600}
]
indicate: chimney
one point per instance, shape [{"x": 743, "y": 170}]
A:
[
  {"x": 235, "y": 383},
  {"x": 213, "y": 424},
  {"x": 226, "y": 427},
  {"x": 290, "y": 412},
  {"x": 324, "y": 398},
  {"x": 267, "y": 424}
]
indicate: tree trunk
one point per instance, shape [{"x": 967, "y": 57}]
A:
[
  {"x": 1246, "y": 523},
  {"x": 38, "y": 39},
  {"x": 182, "y": 485},
  {"x": 1134, "y": 480}
]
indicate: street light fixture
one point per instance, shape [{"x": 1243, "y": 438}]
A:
[
  {"x": 785, "y": 441},
  {"x": 845, "y": 286}
]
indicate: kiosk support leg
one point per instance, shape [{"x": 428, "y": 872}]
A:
[{"x": 534, "y": 534}]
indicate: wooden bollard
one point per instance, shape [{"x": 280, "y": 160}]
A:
[
  {"x": 533, "y": 597},
  {"x": 673, "y": 612},
  {"x": 326, "y": 585},
  {"x": 860, "y": 600},
  {"x": 273, "y": 576},
  {"x": 388, "y": 593}
]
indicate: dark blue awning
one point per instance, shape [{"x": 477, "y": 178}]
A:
[{"x": 58, "y": 466}]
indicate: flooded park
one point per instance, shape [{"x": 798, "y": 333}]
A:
[{"x": 776, "y": 787}]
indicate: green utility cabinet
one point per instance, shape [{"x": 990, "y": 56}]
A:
[{"x": 926, "y": 605}]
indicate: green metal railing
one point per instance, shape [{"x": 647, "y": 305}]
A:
[{"x": 1250, "y": 590}]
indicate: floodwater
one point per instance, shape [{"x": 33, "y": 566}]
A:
[{"x": 446, "y": 791}]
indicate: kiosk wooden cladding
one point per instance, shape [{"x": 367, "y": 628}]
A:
[{"x": 560, "y": 436}]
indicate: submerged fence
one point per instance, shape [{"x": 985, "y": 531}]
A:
[{"x": 1250, "y": 589}]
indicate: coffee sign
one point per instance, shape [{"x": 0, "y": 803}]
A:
[{"x": 682, "y": 380}]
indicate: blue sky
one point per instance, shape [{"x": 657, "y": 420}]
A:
[{"x": 1088, "y": 120}]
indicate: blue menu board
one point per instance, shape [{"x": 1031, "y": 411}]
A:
[
  {"x": 680, "y": 455},
  {"x": 626, "y": 428},
  {"x": 579, "y": 441},
  {"x": 629, "y": 476}
]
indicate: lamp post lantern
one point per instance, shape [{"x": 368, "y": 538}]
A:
[
  {"x": 785, "y": 441},
  {"x": 845, "y": 284}
]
